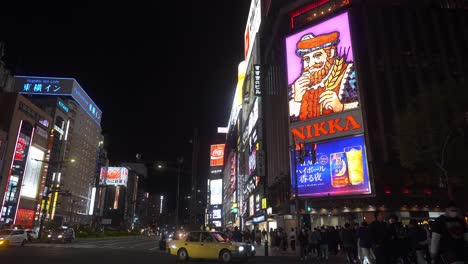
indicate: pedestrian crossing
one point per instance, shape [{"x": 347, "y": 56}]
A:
[{"x": 120, "y": 243}]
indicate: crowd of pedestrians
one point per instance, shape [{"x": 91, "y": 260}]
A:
[{"x": 382, "y": 240}]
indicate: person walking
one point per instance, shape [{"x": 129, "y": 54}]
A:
[
  {"x": 236, "y": 235},
  {"x": 417, "y": 240},
  {"x": 365, "y": 245},
  {"x": 303, "y": 243},
  {"x": 378, "y": 234},
  {"x": 349, "y": 240},
  {"x": 323, "y": 243},
  {"x": 292, "y": 239},
  {"x": 313, "y": 239},
  {"x": 449, "y": 237}
]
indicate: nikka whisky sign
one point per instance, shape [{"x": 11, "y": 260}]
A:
[{"x": 341, "y": 124}]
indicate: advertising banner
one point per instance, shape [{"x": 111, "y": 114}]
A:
[
  {"x": 216, "y": 189},
  {"x": 216, "y": 214},
  {"x": 103, "y": 176},
  {"x": 321, "y": 74},
  {"x": 25, "y": 218},
  {"x": 323, "y": 128},
  {"x": 116, "y": 176},
  {"x": 217, "y": 155},
  {"x": 340, "y": 168},
  {"x": 32, "y": 173},
  {"x": 253, "y": 24},
  {"x": 16, "y": 173}
]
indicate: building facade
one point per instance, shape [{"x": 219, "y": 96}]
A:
[
  {"x": 80, "y": 132},
  {"x": 26, "y": 146},
  {"x": 353, "y": 109}
]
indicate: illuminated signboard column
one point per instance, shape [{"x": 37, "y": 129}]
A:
[
  {"x": 15, "y": 178},
  {"x": 216, "y": 185},
  {"x": 252, "y": 145},
  {"x": 326, "y": 128}
]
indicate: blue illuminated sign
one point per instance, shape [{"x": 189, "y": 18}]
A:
[
  {"x": 58, "y": 86},
  {"x": 86, "y": 103},
  {"x": 39, "y": 85},
  {"x": 340, "y": 168},
  {"x": 63, "y": 106}
]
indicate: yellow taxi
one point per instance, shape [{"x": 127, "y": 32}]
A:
[{"x": 208, "y": 245}]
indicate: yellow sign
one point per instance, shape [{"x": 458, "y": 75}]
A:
[
  {"x": 234, "y": 205},
  {"x": 264, "y": 203}
]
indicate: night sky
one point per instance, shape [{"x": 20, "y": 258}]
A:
[{"x": 156, "y": 69}]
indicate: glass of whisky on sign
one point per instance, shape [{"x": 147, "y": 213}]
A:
[{"x": 355, "y": 166}]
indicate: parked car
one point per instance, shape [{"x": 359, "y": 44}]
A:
[
  {"x": 13, "y": 237},
  {"x": 61, "y": 235},
  {"x": 208, "y": 245}
]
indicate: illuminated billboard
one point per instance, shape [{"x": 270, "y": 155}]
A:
[
  {"x": 217, "y": 155},
  {"x": 320, "y": 70},
  {"x": 340, "y": 168},
  {"x": 59, "y": 87},
  {"x": 103, "y": 176},
  {"x": 216, "y": 189},
  {"x": 32, "y": 173},
  {"x": 14, "y": 181},
  {"x": 216, "y": 214},
  {"x": 253, "y": 24},
  {"x": 114, "y": 176}
]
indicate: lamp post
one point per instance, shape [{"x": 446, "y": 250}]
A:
[
  {"x": 180, "y": 162},
  {"x": 50, "y": 188}
]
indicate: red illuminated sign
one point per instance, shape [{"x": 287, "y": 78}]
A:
[
  {"x": 347, "y": 123},
  {"x": 217, "y": 155},
  {"x": 25, "y": 218},
  {"x": 19, "y": 150}
]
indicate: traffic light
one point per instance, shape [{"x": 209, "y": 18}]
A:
[
  {"x": 314, "y": 153},
  {"x": 308, "y": 206}
]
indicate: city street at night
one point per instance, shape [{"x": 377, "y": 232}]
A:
[
  {"x": 119, "y": 250},
  {"x": 259, "y": 131}
]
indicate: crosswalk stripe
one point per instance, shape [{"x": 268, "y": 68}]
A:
[{"x": 143, "y": 243}]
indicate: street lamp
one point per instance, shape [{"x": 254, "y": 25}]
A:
[
  {"x": 51, "y": 188},
  {"x": 180, "y": 161}
]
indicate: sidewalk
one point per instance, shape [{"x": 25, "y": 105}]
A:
[{"x": 290, "y": 256}]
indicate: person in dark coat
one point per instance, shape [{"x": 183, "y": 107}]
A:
[
  {"x": 349, "y": 240},
  {"x": 379, "y": 237},
  {"x": 236, "y": 235}
]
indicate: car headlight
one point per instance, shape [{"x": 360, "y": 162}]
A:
[
  {"x": 59, "y": 236},
  {"x": 253, "y": 248},
  {"x": 173, "y": 246},
  {"x": 241, "y": 248},
  {"x": 49, "y": 235},
  {"x": 1, "y": 238}
]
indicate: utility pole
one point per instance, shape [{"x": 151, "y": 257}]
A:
[
  {"x": 52, "y": 187},
  {"x": 193, "y": 201},
  {"x": 180, "y": 161}
]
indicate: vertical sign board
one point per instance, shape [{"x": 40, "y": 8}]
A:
[
  {"x": 325, "y": 117},
  {"x": 257, "y": 80},
  {"x": 253, "y": 24},
  {"x": 217, "y": 155}
]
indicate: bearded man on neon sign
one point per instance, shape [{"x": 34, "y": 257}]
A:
[{"x": 327, "y": 83}]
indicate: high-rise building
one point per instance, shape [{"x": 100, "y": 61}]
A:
[{"x": 79, "y": 131}]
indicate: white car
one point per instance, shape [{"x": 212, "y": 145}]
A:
[
  {"x": 32, "y": 234},
  {"x": 13, "y": 237}
]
